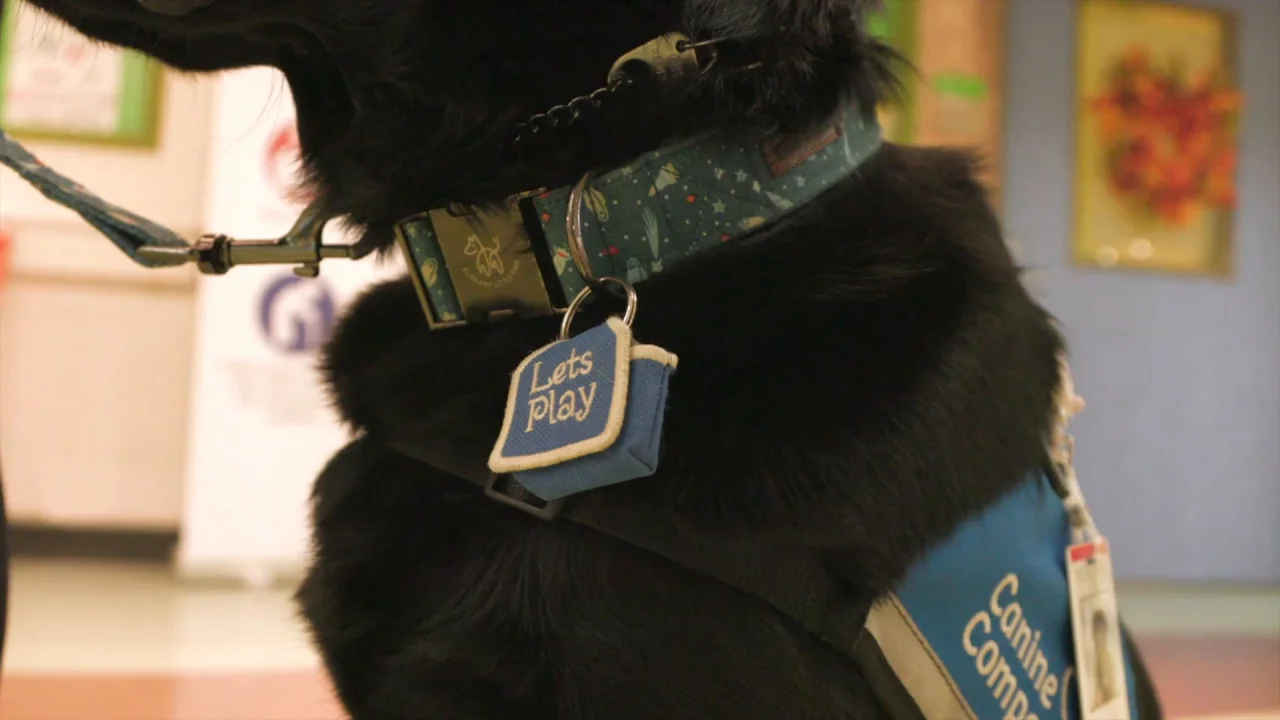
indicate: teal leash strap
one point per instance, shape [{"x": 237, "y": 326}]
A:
[
  {"x": 153, "y": 245},
  {"x": 129, "y": 232}
]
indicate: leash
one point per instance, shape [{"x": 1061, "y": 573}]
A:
[{"x": 152, "y": 245}]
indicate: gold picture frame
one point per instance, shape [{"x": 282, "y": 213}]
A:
[
  {"x": 57, "y": 85},
  {"x": 1157, "y": 134}
]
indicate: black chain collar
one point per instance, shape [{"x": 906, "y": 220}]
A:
[
  {"x": 670, "y": 55},
  {"x": 565, "y": 115}
]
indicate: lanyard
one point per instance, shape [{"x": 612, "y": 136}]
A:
[{"x": 1062, "y": 451}]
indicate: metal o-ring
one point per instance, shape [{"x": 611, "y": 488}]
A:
[
  {"x": 632, "y": 301},
  {"x": 573, "y": 228}
]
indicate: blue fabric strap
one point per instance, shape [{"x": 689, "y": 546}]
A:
[
  {"x": 676, "y": 202},
  {"x": 664, "y": 206},
  {"x": 129, "y": 232}
]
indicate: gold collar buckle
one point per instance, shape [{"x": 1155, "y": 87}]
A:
[{"x": 474, "y": 266}]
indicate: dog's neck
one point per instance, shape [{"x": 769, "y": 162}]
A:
[
  {"x": 534, "y": 255},
  {"x": 466, "y": 152}
]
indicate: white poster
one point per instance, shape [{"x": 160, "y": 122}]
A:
[
  {"x": 261, "y": 425},
  {"x": 60, "y": 78}
]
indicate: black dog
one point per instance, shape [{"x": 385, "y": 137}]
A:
[{"x": 858, "y": 378}]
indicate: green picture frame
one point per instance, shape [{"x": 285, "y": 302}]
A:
[
  {"x": 135, "y": 92},
  {"x": 896, "y": 25}
]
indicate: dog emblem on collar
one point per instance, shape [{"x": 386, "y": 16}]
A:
[{"x": 488, "y": 256}]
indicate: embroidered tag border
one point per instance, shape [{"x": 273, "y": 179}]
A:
[
  {"x": 502, "y": 464},
  {"x": 656, "y": 354}
]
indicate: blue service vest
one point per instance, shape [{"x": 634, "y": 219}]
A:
[{"x": 981, "y": 627}]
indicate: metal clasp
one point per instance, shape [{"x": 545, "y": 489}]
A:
[
  {"x": 216, "y": 254},
  {"x": 667, "y": 56},
  {"x": 476, "y": 265}
]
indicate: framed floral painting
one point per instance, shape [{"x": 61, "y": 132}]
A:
[
  {"x": 56, "y": 84},
  {"x": 1156, "y": 138}
]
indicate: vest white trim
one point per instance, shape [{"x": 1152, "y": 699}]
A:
[{"x": 913, "y": 660}]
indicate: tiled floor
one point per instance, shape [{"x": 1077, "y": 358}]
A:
[
  {"x": 94, "y": 642},
  {"x": 1205, "y": 675},
  {"x": 89, "y": 619}
]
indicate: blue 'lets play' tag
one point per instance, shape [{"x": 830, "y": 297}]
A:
[
  {"x": 567, "y": 400},
  {"x": 585, "y": 413},
  {"x": 635, "y": 454}
]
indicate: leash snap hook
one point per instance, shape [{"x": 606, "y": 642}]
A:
[{"x": 301, "y": 246}]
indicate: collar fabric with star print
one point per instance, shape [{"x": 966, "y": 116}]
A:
[{"x": 671, "y": 204}]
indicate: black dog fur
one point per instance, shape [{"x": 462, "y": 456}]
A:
[{"x": 859, "y": 378}]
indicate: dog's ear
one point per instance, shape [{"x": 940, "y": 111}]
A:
[{"x": 812, "y": 56}]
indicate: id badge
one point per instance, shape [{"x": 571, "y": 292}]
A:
[{"x": 1095, "y": 628}]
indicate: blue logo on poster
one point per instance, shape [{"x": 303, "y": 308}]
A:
[{"x": 297, "y": 314}]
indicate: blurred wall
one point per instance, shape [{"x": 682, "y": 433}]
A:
[
  {"x": 1179, "y": 448},
  {"x": 96, "y": 353}
]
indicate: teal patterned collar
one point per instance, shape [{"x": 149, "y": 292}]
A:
[{"x": 637, "y": 220}]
